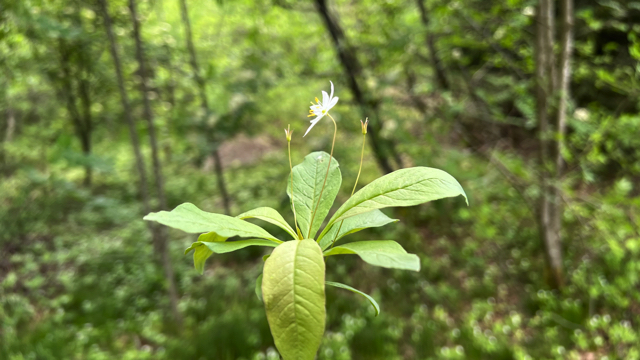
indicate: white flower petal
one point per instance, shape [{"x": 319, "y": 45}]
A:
[
  {"x": 325, "y": 98},
  {"x": 313, "y": 123},
  {"x": 333, "y": 102},
  {"x": 331, "y": 96}
]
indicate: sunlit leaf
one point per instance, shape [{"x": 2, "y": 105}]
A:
[
  {"x": 308, "y": 179},
  {"x": 271, "y": 216},
  {"x": 383, "y": 253},
  {"x": 212, "y": 243},
  {"x": 293, "y": 295},
  {"x": 405, "y": 187},
  {"x": 188, "y": 218},
  {"x": 375, "y": 218}
]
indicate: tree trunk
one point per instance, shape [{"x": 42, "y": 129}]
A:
[
  {"x": 563, "y": 82},
  {"x": 83, "y": 49},
  {"x": 81, "y": 126},
  {"x": 171, "y": 87},
  {"x": 546, "y": 85},
  {"x": 565, "y": 79},
  {"x": 202, "y": 91},
  {"x": 436, "y": 63},
  {"x": 126, "y": 106},
  {"x": 85, "y": 100},
  {"x": 382, "y": 149},
  {"x": 162, "y": 245}
]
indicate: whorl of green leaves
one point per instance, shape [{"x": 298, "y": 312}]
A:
[{"x": 292, "y": 285}]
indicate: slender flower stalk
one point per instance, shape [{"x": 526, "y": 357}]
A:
[
  {"x": 335, "y": 132},
  {"x": 288, "y": 133},
  {"x": 364, "y": 138}
]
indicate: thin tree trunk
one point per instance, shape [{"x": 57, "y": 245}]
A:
[
  {"x": 11, "y": 120},
  {"x": 563, "y": 82},
  {"x": 79, "y": 124},
  {"x": 436, "y": 63},
  {"x": 193, "y": 61},
  {"x": 162, "y": 244},
  {"x": 171, "y": 88},
  {"x": 545, "y": 87},
  {"x": 83, "y": 48},
  {"x": 85, "y": 100},
  {"x": 565, "y": 79},
  {"x": 126, "y": 108},
  {"x": 382, "y": 148}
]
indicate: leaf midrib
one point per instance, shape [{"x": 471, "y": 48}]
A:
[
  {"x": 293, "y": 291},
  {"x": 382, "y": 194}
]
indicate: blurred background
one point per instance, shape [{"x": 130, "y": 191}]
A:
[{"x": 110, "y": 109}]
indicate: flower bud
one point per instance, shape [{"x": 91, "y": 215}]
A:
[
  {"x": 364, "y": 126},
  {"x": 288, "y": 132}
]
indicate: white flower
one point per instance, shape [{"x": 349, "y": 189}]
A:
[
  {"x": 321, "y": 109},
  {"x": 581, "y": 114}
]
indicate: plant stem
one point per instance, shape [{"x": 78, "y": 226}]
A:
[
  {"x": 364, "y": 138},
  {"x": 293, "y": 205},
  {"x": 313, "y": 215}
]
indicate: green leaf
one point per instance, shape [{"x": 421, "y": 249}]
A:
[
  {"x": 269, "y": 215},
  {"x": 200, "y": 254},
  {"x": 188, "y": 218},
  {"x": 259, "y": 287},
  {"x": 212, "y": 243},
  {"x": 375, "y": 218},
  {"x": 347, "y": 287},
  {"x": 405, "y": 187},
  {"x": 293, "y": 295},
  {"x": 384, "y": 253},
  {"x": 229, "y": 246},
  {"x": 308, "y": 178},
  {"x": 211, "y": 237}
]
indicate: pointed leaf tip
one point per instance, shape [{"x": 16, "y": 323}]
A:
[
  {"x": 404, "y": 187},
  {"x": 383, "y": 253},
  {"x": 188, "y": 218}
]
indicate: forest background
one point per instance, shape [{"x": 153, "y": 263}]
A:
[{"x": 112, "y": 108}]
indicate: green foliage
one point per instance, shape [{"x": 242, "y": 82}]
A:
[
  {"x": 293, "y": 294},
  {"x": 269, "y": 215},
  {"x": 405, "y": 187},
  {"x": 384, "y": 253},
  {"x": 292, "y": 282},
  {"x": 188, "y": 218},
  {"x": 206, "y": 246},
  {"x": 375, "y": 218},
  {"x": 79, "y": 278},
  {"x": 308, "y": 184}
]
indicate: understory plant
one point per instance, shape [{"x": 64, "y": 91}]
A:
[{"x": 292, "y": 284}]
